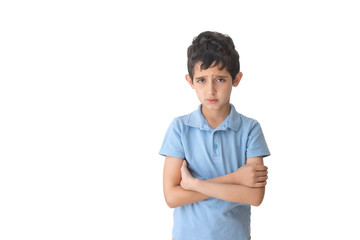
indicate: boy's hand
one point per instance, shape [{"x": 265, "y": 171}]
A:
[
  {"x": 251, "y": 175},
  {"x": 187, "y": 180}
]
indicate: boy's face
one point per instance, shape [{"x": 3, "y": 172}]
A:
[{"x": 213, "y": 86}]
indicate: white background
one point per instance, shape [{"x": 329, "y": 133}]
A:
[{"x": 88, "y": 89}]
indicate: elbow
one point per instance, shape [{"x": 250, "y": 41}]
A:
[
  {"x": 171, "y": 197},
  {"x": 257, "y": 197},
  {"x": 170, "y": 202},
  {"x": 256, "y": 202}
]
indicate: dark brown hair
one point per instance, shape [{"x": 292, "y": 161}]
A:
[{"x": 209, "y": 47}]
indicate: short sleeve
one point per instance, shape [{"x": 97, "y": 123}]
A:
[
  {"x": 256, "y": 144},
  {"x": 172, "y": 145}
]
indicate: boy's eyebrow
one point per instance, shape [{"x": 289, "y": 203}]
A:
[
  {"x": 215, "y": 76},
  {"x": 220, "y": 76}
]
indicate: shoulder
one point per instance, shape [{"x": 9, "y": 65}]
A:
[
  {"x": 247, "y": 122},
  {"x": 193, "y": 119},
  {"x": 240, "y": 122},
  {"x": 179, "y": 123}
]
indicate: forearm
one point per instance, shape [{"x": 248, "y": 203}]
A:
[
  {"x": 178, "y": 196},
  {"x": 230, "y": 192},
  {"x": 230, "y": 187},
  {"x": 226, "y": 179}
]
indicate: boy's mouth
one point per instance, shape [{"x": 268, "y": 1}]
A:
[{"x": 211, "y": 100}]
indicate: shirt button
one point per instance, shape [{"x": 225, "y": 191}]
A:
[{"x": 215, "y": 146}]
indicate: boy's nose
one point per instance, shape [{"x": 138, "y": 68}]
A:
[{"x": 212, "y": 88}]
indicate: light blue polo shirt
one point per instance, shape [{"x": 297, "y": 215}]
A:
[{"x": 212, "y": 153}]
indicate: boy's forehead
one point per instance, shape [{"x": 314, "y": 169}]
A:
[{"x": 212, "y": 69}]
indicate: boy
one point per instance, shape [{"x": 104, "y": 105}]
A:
[{"x": 214, "y": 167}]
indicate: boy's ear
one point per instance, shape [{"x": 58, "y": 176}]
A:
[
  {"x": 189, "y": 80},
  {"x": 237, "y": 79}
]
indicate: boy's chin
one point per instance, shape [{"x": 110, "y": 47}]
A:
[{"x": 215, "y": 106}]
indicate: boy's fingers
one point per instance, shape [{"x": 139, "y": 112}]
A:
[
  {"x": 260, "y": 168},
  {"x": 262, "y": 179},
  {"x": 261, "y": 173}
]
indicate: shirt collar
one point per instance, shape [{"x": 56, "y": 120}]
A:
[{"x": 197, "y": 120}]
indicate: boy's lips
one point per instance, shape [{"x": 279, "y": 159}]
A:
[{"x": 211, "y": 100}]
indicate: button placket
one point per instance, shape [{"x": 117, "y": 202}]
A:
[{"x": 215, "y": 143}]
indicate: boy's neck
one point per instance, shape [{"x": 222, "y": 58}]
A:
[{"x": 216, "y": 117}]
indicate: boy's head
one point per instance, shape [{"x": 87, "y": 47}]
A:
[{"x": 211, "y": 49}]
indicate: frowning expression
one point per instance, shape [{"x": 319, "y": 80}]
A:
[{"x": 213, "y": 85}]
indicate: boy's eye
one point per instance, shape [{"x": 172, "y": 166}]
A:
[
  {"x": 200, "y": 80},
  {"x": 221, "y": 80}
]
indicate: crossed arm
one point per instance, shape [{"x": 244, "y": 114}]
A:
[{"x": 245, "y": 185}]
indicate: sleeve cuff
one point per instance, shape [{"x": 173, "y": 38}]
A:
[
  {"x": 257, "y": 154},
  {"x": 173, "y": 154}
]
